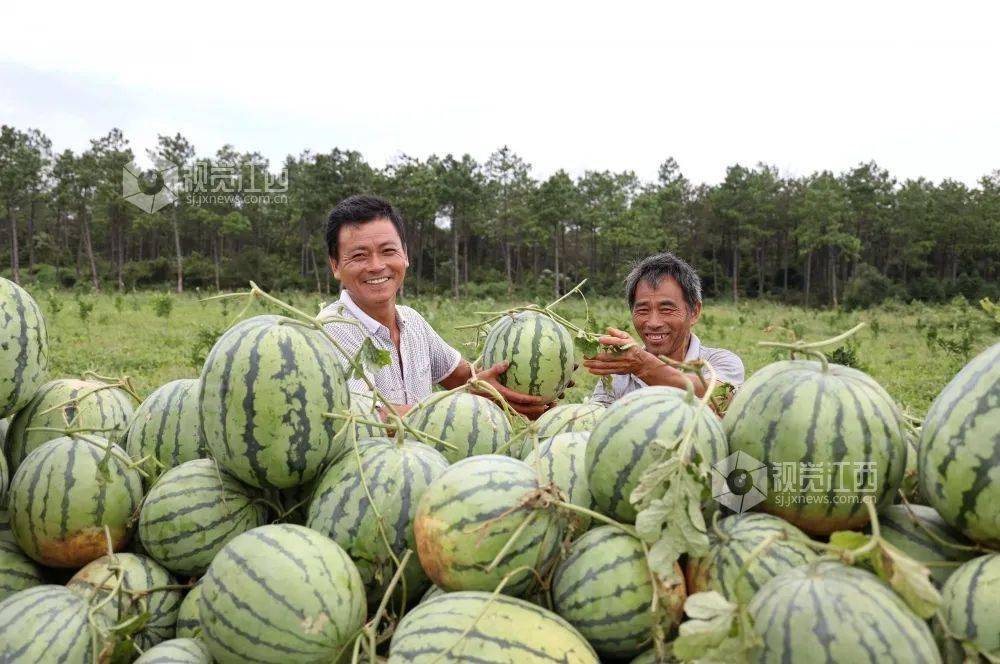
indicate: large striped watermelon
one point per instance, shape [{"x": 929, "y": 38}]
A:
[
  {"x": 970, "y": 606},
  {"x": 960, "y": 450},
  {"x": 63, "y": 496},
  {"x": 604, "y": 588},
  {"x": 45, "y": 624},
  {"x": 177, "y": 651},
  {"x": 144, "y": 590},
  {"x": 619, "y": 449},
  {"x": 470, "y": 424},
  {"x": 188, "y": 620},
  {"x": 24, "y": 347},
  {"x": 561, "y": 459},
  {"x": 486, "y": 629},
  {"x": 68, "y": 403},
  {"x": 918, "y": 531},
  {"x": 264, "y": 389},
  {"x": 835, "y": 431},
  {"x": 540, "y": 352},
  {"x": 395, "y": 477},
  {"x": 165, "y": 427},
  {"x": 17, "y": 571},
  {"x": 722, "y": 569},
  {"x": 4, "y": 477},
  {"x": 568, "y": 417},
  {"x": 834, "y": 613},
  {"x": 192, "y": 511},
  {"x": 469, "y": 513},
  {"x": 280, "y": 593}
]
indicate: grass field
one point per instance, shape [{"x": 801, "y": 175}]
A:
[{"x": 913, "y": 350}]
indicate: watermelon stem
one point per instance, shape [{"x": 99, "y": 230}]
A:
[
  {"x": 511, "y": 542},
  {"x": 937, "y": 540},
  {"x": 371, "y": 628},
  {"x": 571, "y": 507},
  {"x": 811, "y": 348}
]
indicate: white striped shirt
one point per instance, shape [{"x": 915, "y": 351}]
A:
[
  {"x": 727, "y": 364},
  {"x": 423, "y": 360}
]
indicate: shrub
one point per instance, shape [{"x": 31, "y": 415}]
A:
[{"x": 867, "y": 287}]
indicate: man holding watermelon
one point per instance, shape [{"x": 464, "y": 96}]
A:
[
  {"x": 367, "y": 253},
  {"x": 664, "y": 294}
]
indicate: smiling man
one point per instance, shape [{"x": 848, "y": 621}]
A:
[
  {"x": 367, "y": 253},
  {"x": 664, "y": 294}
]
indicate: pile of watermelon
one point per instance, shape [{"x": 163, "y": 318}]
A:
[{"x": 246, "y": 516}]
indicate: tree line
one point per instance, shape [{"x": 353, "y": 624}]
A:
[{"x": 493, "y": 228}]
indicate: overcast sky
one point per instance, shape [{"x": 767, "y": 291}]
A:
[{"x": 577, "y": 85}]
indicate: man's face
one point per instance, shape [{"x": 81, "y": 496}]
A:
[
  {"x": 371, "y": 261},
  {"x": 662, "y": 318}
]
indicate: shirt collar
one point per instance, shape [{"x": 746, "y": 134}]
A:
[
  {"x": 369, "y": 323},
  {"x": 694, "y": 348}
]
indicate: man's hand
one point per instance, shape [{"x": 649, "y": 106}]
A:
[
  {"x": 525, "y": 404},
  {"x": 632, "y": 359}
]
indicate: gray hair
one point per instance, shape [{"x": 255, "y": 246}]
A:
[{"x": 653, "y": 268}]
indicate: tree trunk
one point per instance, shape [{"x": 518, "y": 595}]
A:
[
  {"x": 465, "y": 260},
  {"x": 456, "y": 266},
  {"x": 736, "y": 273},
  {"x": 420, "y": 257},
  {"x": 315, "y": 267},
  {"x": 808, "y": 271},
  {"x": 31, "y": 236},
  {"x": 507, "y": 266},
  {"x": 217, "y": 259},
  {"x": 177, "y": 248},
  {"x": 784, "y": 265},
  {"x": 760, "y": 272},
  {"x": 89, "y": 248},
  {"x": 556, "y": 254},
  {"x": 833, "y": 276},
  {"x": 15, "y": 266},
  {"x": 715, "y": 273}
]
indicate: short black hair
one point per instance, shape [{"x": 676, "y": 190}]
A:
[
  {"x": 653, "y": 268},
  {"x": 360, "y": 209}
]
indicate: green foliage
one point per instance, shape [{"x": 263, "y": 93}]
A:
[
  {"x": 163, "y": 304},
  {"x": 867, "y": 288}
]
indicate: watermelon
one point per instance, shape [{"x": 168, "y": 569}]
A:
[
  {"x": 264, "y": 389},
  {"x": 77, "y": 404},
  {"x": 4, "y": 478},
  {"x": 432, "y": 591},
  {"x": 619, "y": 451},
  {"x": 24, "y": 347},
  {"x": 4, "y": 427},
  {"x": 177, "y": 651},
  {"x": 829, "y": 611},
  {"x": 970, "y": 607},
  {"x": 364, "y": 405},
  {"x": 907, "y": 530},
  {"x": 731, "y": 543},
  {"x": 136, "y": 574},
  {"x": 62, "y": 498},
  {"x": 604, "y": 588},
  {"x": 568, "y": 417},
  {"x": 830, "y": 434},
  {"x": 471, "y": 424},
  {"x": 17, "y": 571},
  {"x": 540, "y": 352},
  {"x": 468, "y": 514},
  {"x": 45, "y": 624},
  {"x": 188, "y": 622},
  {"x": 192, "y": 511},
  {"x": 561, "y": 460},
  {"x": 649, "y": 657},
  {"x": 280, "y": 593},
  {"x": 483, "y": 628},
  {"x": 165, "y": 428},
  {"x": 395, "y": 476},
  {"x": 960, "y": 450}
]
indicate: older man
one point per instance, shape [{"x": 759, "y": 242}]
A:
[
  {"x": 664, "y": 294},
  {"x": 367, "y": 254}
]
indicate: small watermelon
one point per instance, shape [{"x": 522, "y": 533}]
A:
[
  {"x": 835, "y": 431},
  {"x": 468, "y": 423},
  {"x": 395, "y": 477},
  {"x": 264, "y": 390},
  {"x": 17, "y": 571},
  {"x": 539, "y": 350},
  {"x": 960, "y": 450},
  {"x": 137, "y": 574},
  {"x": 467, "y": 516},
  {"x": 188, "y": 622},
  {"x": 970, "y": 606},
  {"x": 64, "y": 495},
  {"x": 739, "y": 535},
  {"x": 827, "y": 610},
  {"x": 45, "y": 624},
  {"x": 364, "y": 405},
  {"x": 481, "y": 627},
  {"x": 918, "y": 531},
  {"x": 604, "y": 588},
  {"x": 569, "y": 417},
  {"x": 68, "y": 404},
  {"x": 561, "y": 460},
  {"x": 24, "y": 348},
  {"x": 192, "y": 511},
  {"x": 281, "y": 593},
  {"x": 165, "y": 428},
  {"x": 177, "y": 651},
  {"x": 619, "y": 449}
]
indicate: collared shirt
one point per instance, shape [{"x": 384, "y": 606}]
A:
[
  {"x": 424, "y": 358},
  {"x": 728, "y": 368}
]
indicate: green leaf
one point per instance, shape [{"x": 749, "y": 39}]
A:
[
  {"x": 849, "y": 539},
  {"x": 587, "y": 343},
  {"x": 370, "y": 357},
  {"x": 717, "y": 631},
  {"x": 910, "y": 579}
]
